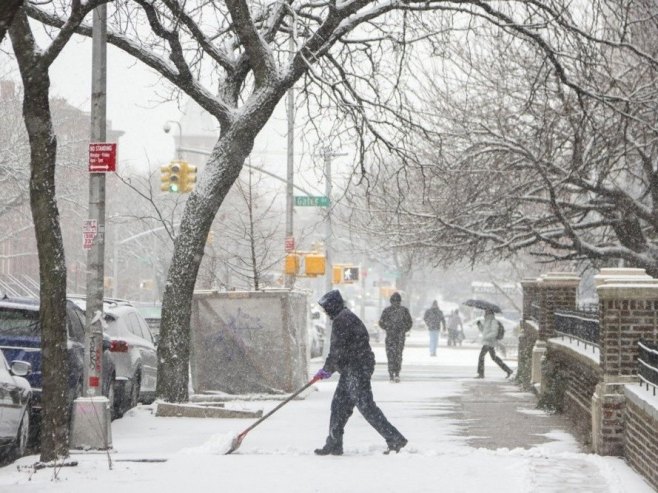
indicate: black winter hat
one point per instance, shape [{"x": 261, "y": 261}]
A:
[
  {"x": 396, "y": 298},
  {"x": 332, "y": 303}
]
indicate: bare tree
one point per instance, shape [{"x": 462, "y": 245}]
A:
[
  {"x": 248, "y": 227},
  {"x": 556, "y": 159},
  {"x": 233, "y": 59}
]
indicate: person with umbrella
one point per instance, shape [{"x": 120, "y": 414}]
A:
[
  {"x": 396, "y": 322},
  {"x": 490, "y": 328}
]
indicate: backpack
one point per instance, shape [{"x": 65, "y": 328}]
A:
[{"x": 501, "y": 332}]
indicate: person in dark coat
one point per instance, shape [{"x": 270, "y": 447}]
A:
[
  {"x": 435, "y": 321},
  {"x": 396, "y": 322},
  {"x": 351, "y": 356}
]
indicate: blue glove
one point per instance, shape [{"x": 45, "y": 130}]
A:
[{"x": 322, "y": 374}]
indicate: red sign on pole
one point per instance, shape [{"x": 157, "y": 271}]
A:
[
  {"x": 89, "y": 231},
  {"x": 290, "y": 244},
  {"x": 102, "y": 157}
]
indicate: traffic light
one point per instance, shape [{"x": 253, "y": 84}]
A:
[
  {"x": 350, "y": 274},
  {"x": 291, "y": 265},
  {"x": 314, "y": 264},
  {"x": 187, "y": 177},
  {"x": 171, "y": 177}
]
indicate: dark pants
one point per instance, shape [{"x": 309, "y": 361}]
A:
[
  {"x": 492, "y": 353},
  {"x": 354, "y": 390},
  {"x": 394, "y": 349}
]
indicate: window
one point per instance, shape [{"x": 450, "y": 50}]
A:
[
  {"x": 75, "y": 325},
  {"x": 19, "y": 323}
]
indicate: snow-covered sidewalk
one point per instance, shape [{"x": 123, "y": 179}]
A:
[{"x": 433, "y": 406}]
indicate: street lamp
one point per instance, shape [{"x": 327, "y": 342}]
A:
[{"x": 167, "y": 127}]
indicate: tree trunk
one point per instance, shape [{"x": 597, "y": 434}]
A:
[
  {"x": 52, "y": 266},
  {"x": 8, "y": 9},
  {"x": 222, "y": 170}
]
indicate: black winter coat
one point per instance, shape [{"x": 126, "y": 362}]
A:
[
  {"x": 350, "y": 345},
  {"x": 396, "y": 320}
]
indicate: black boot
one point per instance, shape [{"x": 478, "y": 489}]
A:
[
  {"x": 396, "y": 446},
  {"x": 332, "y": 447}
]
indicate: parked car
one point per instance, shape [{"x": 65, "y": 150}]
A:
[
  {"x": 152, "y": 313},
  {"x": 15, "y": 398},
  {"x": 133, "y": 353},
  {"x": 316, "y": 334},
  {"x": 20, "y": 340}
]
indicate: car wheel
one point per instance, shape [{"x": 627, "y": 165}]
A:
[
  {"x": 23, "y": 436},
  {"x": 134, "y": 390},
  {"x": 111, "y": 397}
]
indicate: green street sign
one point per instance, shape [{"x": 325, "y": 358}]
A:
[{"x": 305, "y": 201}]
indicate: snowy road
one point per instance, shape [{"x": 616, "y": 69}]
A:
[{"x": 464, "y": 436}]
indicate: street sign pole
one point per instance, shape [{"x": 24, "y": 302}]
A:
[{"x": 91, "y": 416}]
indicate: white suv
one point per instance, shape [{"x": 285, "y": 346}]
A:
[{"x": 133, "y": 353}]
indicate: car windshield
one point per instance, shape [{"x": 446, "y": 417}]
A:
[
  {"x": 19, "y": 323},
  {"x": 150, "y": 311}
]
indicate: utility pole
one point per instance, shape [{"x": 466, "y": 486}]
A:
[
  {"x": 289, "y": 280},
  {"x": 328, "y": 154},
  {"x": 91, "y": 414}
]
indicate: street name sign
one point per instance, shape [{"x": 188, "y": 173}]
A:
[{"x": 310, "y": 201}]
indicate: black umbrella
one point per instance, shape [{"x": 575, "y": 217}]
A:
[{"x": 482, "y": 305}]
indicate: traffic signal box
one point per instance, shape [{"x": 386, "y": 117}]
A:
[
  {"x": 188, "y": 177},
  {"x": 178, "y": 177},
  {"x": 314, "y": 264},
  {"x": 291, "y": 266}
]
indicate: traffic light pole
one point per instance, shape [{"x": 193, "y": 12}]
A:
[{"x": 91, "y": 414}]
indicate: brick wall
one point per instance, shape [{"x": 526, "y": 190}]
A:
[
  {"x": 555, "y": 293},
  {"x": 641, "y": 438},
  {"x": 624, "y": 322},
  {"x": 569, "y": 381},
  {"x": 527, "y": 340},
  {"x": 529, "y": 287}
]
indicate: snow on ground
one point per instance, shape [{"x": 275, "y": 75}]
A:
[{"x": 277, "y": 456}]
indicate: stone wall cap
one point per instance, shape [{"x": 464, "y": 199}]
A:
[
  {"x": 559, "y": 279},
  {"x": 619, "y": 273},
  {"x": 623, "y": 291}
]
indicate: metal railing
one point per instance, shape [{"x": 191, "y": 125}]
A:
[
  {"x": 579, "y": 325},
  {"x": 535, "y": 311},
  {"x": 647, "y": 362}
]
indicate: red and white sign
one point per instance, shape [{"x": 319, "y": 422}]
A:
[
  {"x": 89, "y": 232},
  {"x": 290, "y": 244},
  {"x": 102, "y": 157}
]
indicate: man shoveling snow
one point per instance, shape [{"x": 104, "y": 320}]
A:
[{"x": 350, "y": 355}]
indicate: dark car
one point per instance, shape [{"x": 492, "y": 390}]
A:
[
  {"x": 20, "y": 340},
  {"x": 15, "y": 398}
]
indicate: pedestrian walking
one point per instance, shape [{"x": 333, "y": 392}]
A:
[
  {"x": 435, "y": 322},
  {"x": 490, "y": 329},
  {"x": 455, "y": 329},
  {"x": 396, "y": 322},
  {"x": 350, "y": 355}
]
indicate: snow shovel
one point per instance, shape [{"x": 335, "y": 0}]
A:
[{"x": 235, "y": 443}]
